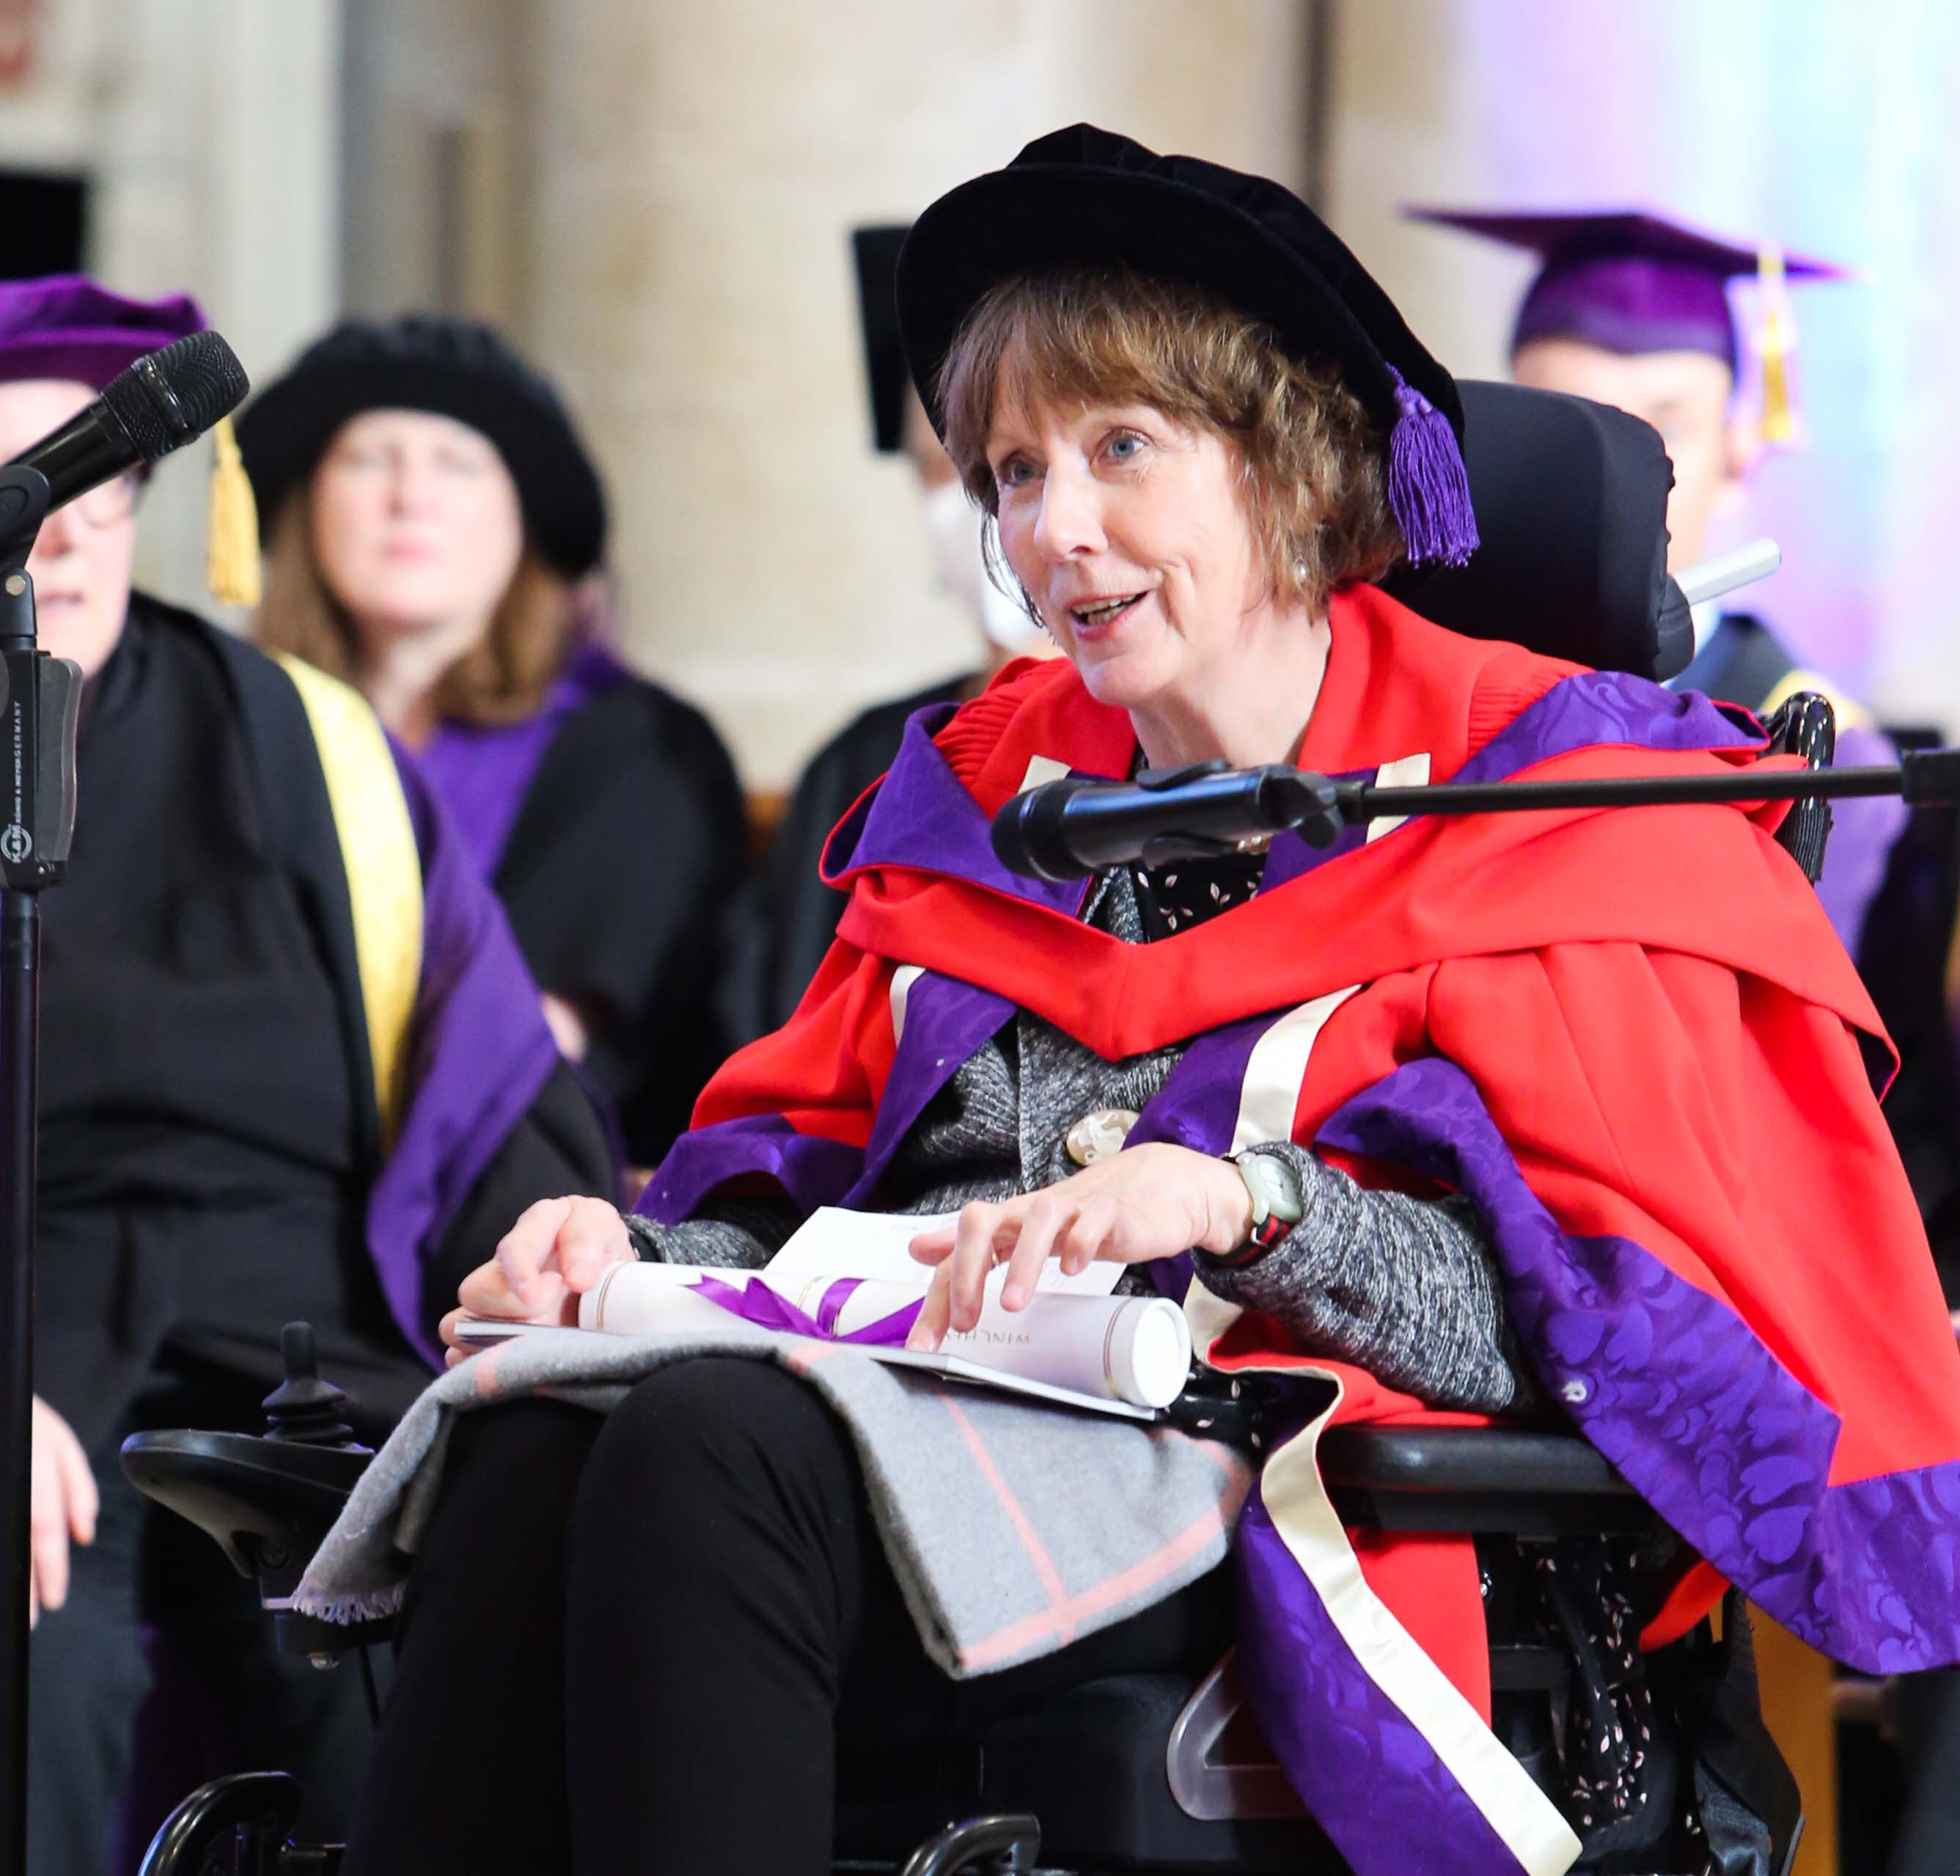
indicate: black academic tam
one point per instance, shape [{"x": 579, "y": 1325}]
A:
[
  {"x": 452, "y": 367},
  {"x": 1085, "y": 198}
]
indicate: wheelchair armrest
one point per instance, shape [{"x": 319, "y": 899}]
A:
[
  {"x": 1497, "y": 1480},
  {"x": 266, "y": 1503},
  {"x": 251, "y": 1494}
]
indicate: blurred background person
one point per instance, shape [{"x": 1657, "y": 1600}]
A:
[
  {"x": 434, "y": 531},
  {"x": 235, "y": 1131},
  {"x": 786, "y": 917},
  {"x": 1632, "y": 309}
]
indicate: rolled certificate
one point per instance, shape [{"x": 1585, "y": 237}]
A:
[
  {"x": 651, "y": 1299},
  {"x": 1135, "y": 1349},
  {"x": 1740, "y": 567}
]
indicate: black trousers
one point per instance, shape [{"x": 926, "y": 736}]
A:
[{"x": 638, "y": 1644}]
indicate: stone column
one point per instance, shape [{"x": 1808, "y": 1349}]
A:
[
  {"x": 698, "y": 169},
  {"x": 218, "y": 173},
  {"x": 208, "y": 132}
]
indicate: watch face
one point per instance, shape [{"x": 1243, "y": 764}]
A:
[{"x": 1277, "y": 1187}]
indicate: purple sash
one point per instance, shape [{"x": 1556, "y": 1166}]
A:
[
  {"x": 481, "y": 772},
  {"x": 480, "y": 1054}
]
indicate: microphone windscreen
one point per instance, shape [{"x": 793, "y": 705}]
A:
[
  {"x": 168, "y": 397},
  {"x": 1028, "y": 834}
]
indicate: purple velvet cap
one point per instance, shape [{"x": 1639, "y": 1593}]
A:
[
  {"x": 67, "y": 325},
  {"x": 1627, "y": 280}
]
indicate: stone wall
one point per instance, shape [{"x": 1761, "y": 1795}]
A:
[
  {"x": 656, "y": 197},
  {"x": 208, "y": 131}
]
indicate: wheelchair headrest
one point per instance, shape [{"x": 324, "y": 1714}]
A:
[{"x": 1571, "y": 499}]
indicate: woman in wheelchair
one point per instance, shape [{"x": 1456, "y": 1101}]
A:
[{"x": 1563, "y": 1112}]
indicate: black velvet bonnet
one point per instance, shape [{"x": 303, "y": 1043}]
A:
[
  {"x": 452, "y": 368},
  {"x": 1087, "y": 197}
]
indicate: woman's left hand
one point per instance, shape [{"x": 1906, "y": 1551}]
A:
[{"x": 1145, "y": 1202}]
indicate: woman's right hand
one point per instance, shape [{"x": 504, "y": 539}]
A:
[
  {"x": 557, "y": 1251},
  {"x": 64, "y": 1505}
]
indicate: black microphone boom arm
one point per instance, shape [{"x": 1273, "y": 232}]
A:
[
  {"x": 1923, "y": 775},
  {"x": 1069, "y": 828}
]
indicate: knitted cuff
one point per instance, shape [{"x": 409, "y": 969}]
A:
[{"x": 1257, "y": 1281}]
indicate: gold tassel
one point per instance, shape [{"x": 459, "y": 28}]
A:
[
  {"x": 231, "y": 560},
  {"x": 1775, "y": 340}
]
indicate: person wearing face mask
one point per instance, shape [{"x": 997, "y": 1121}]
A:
[
  {"x": 787, "y": 915},
  {"x": 1631, "y": 309},
  {"x": 435, "y": 531},
  {"x": 260, "y": 908}
]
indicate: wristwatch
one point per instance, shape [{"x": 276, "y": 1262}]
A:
[{"x": 1274, "y": 1187}]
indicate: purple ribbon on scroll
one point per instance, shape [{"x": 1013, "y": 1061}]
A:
[{"x": 757, "y": 1303}]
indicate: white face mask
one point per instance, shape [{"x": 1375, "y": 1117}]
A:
[{"x": 953, "y": 533}]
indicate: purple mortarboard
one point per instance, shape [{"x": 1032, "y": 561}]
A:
[
  {"x": 66, "y": 325},
  {"x": 1628, "y": 280}
]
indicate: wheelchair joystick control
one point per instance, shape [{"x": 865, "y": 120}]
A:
[
  {"x": 267, "y": 1499},
  {"x": 303, "y": 1409}
]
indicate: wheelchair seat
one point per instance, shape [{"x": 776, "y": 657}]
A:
[{"x": 1104, "y": 1767}]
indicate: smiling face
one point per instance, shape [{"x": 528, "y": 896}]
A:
[
  {"x": 1179, "y": 497},
  {"x": 82, "y": 559},
  {"x": 417, "y": 525},
  {"x": 1685, "y": 395},
  {"x": 1129, "y": 532}
]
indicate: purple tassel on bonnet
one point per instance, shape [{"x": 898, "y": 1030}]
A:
[{"x": 1429, "y": 488}]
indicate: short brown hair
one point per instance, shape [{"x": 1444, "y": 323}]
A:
[
  {"x": 1315, "y": 467},
  {"x": 502, "y": 678}
]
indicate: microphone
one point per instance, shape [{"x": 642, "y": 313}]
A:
[
  {"x": 1067, "y": 829},
  {"x": 161, "y": 402}
]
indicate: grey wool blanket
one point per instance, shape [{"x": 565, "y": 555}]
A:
[{"x": 1014, "y": 1528}]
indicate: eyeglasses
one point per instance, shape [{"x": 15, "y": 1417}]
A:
[{"x": 108, "y": 503}]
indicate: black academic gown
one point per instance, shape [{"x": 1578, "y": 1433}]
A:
[
  {"x": 784, "y": 921},
  {"x": 1745, "y": 663},
  {"x": 213, "y": 1165},
  {"x": 209, "y": 1126},
  {"x": 627, "y": 848},
  {"x": 1906, "y": 961},
  {"x": 1742, "y": 661}
]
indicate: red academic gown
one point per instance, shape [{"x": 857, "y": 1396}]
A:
[{"x": 1629, "y": 1037}]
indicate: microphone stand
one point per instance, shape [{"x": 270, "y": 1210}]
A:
[{"x": 38, "y": 720}]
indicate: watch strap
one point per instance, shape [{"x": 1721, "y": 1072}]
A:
[{"x": 1265, "y": 1179}]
